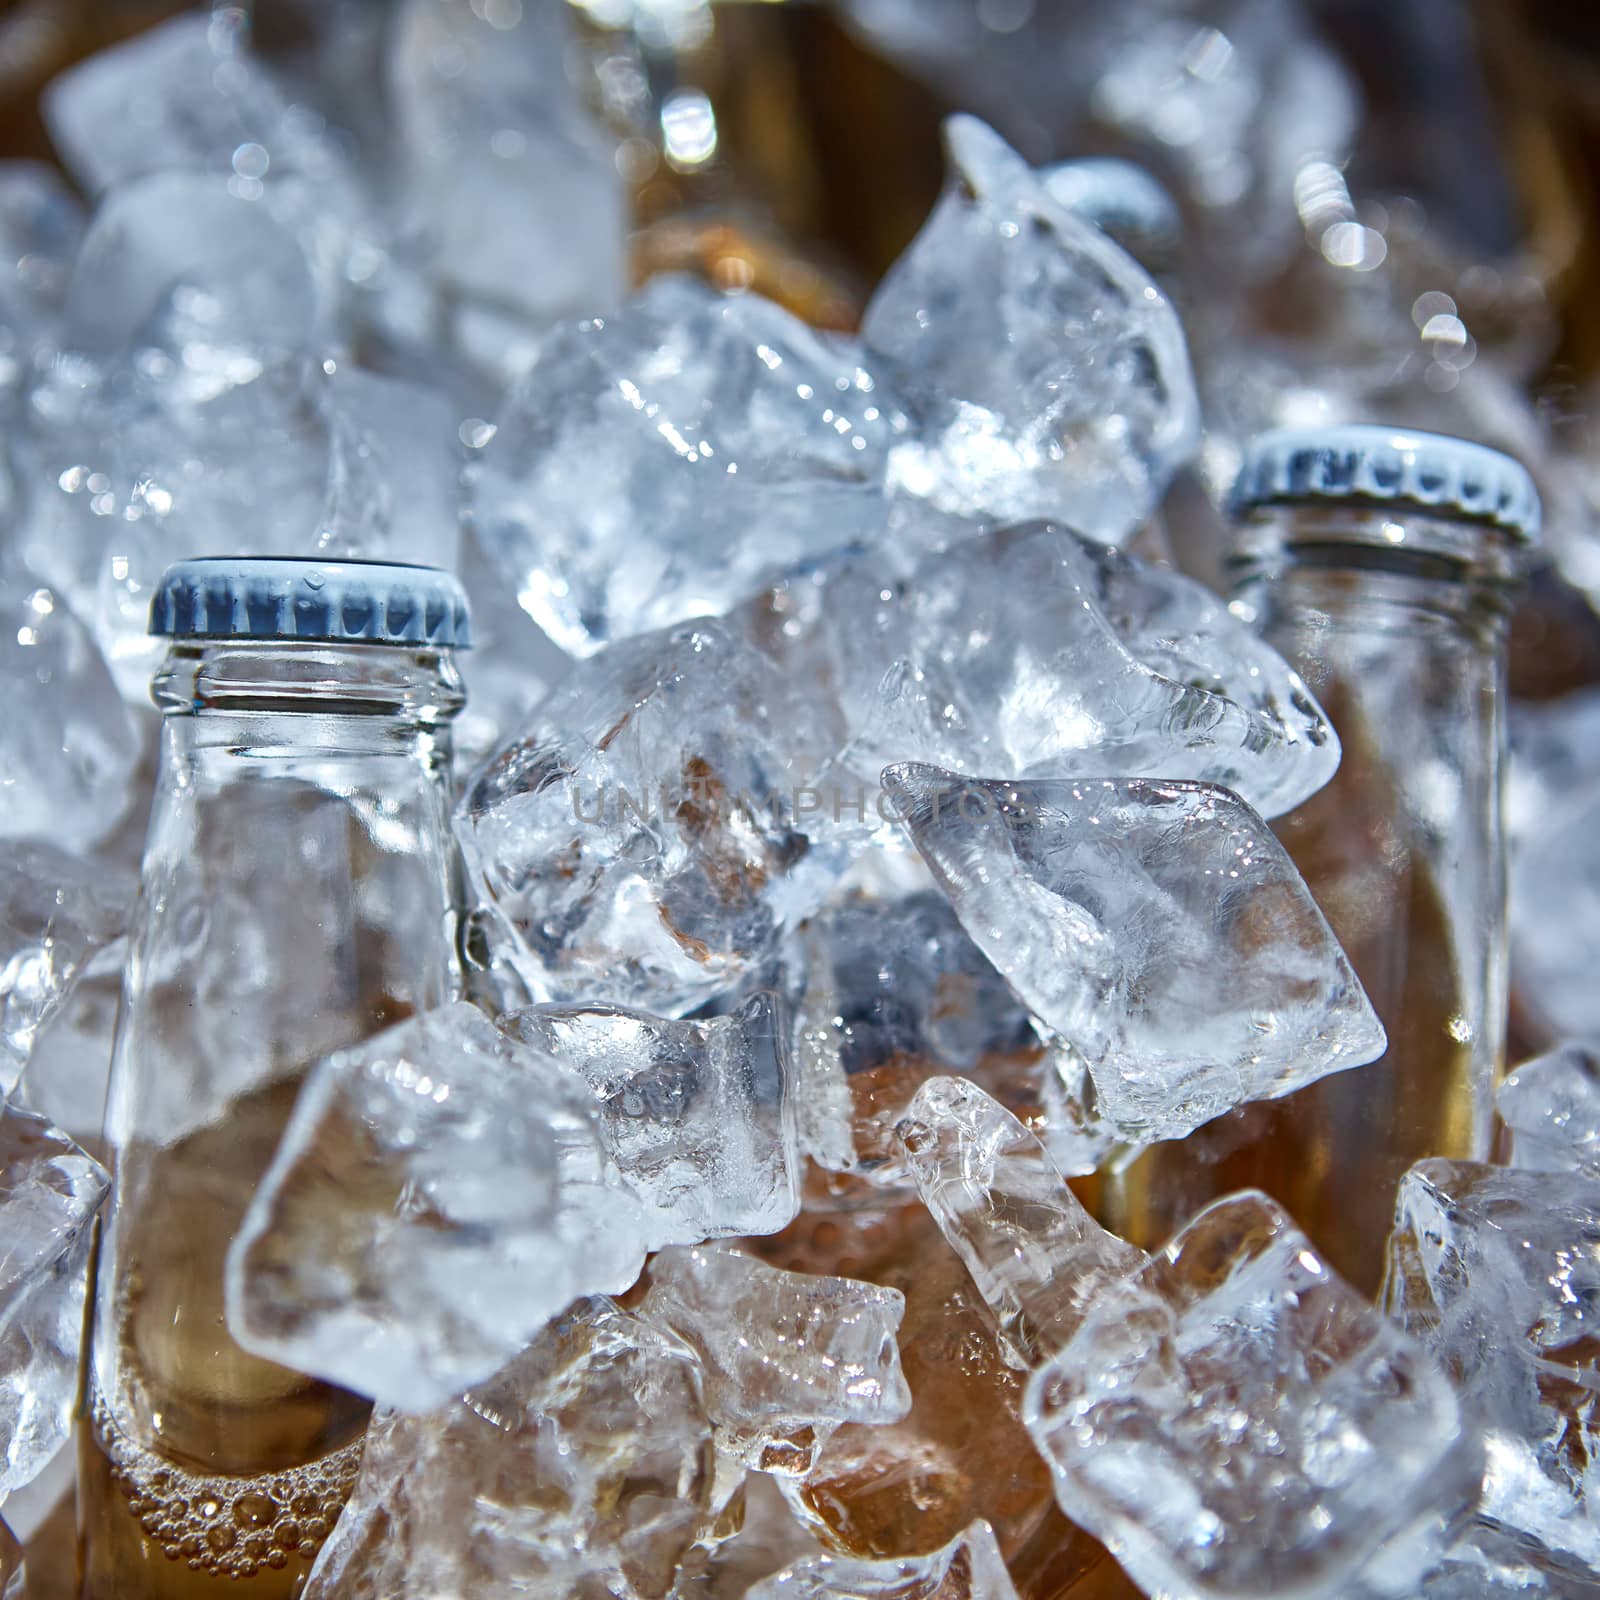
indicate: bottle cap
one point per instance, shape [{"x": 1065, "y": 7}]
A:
[
  {"x": 1362, "y": 462},
  {"x": 328, "y": 602},
  {"x": 1122, "y": 199}
]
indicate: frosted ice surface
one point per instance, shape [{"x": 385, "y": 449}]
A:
[
  {"x": 789, "y": 1356},
  {"x": 1235, "y": 1421},
  {"x": 1551, "y": 1104},
  {"x": 582, "y": 1468},
  {"x": 49, "y": 1194},
  {"x": 1044, "y": 372},
  {"x": 665, "y": 816},
  {"x": 57, "y": 911},
  {"x": 439, "y": 1194},
  {"x": 1159, "y": 928},
  {"x": 699, "y": 1117},
  {"x": 968, "y": 1568},
  {"x": 702, "y": 444},
  {"x": 1034, "y": 652},
  {"x": 1498, "y": 1272},
  {"x": 1038, "y": 1258}
]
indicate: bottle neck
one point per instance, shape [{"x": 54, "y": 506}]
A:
[
  {"x": 1384, "y": 567},
  {"x": 377, "y": 694}
]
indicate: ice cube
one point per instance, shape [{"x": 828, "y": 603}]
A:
[
  {"x": 1235, "y": 1420},
  {"x": 513, "y": 190},
  {"x": 1158, "y": 927},
  {"x": 69, "y": 1066},
  {"x": 56, "y": 912},
  {"x": 788, "y": 1356},
  {"x": 968, "y": 1568},
  {"x": 660, "y": 822},
  {"x": 186, "y": 96},
  {"x": 1554, "y": 885},
  {"x": 392, "y": 477},
  {"x": 895, "y": 992},
  {"x": 49, "y": 1194},
  {"x": 41, "y": 227},
  {"x": 1552, "y": 1107},
  {"x": 1120, "y": 198},
  {"x": 582, "y": 1468},
  {"x": 68, "y": 746},
  {"x": 766, "y": 1539},
  {"x": 1034, "y": 652},
  {"x": 908, "y": 1488},
  {"x": 190, "y": 415},
  {"x": 1044, "y": 372},
  {"x": 1498, "y": 1272},
  {"x": 699, "y": 1117},
  {"x": 438, "y": 1195},
  {"x": 1228, "y": 99},
  {"x": 511, "y": 667},
  {"x": 1485, "y": 1565},
  {"x": 1038, "y": 1258},
  {"x": 704, "y": 443}
]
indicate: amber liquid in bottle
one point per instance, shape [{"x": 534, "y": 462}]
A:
[
  {"x": 1402, "y": 851},
  {"x": 256, "y": 1461}
]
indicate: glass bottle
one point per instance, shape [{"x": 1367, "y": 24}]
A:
[
  {"x": 711, "y": 113},
  {"x": 296, "y": 897},
  {"x": 1382, "y": 565}
]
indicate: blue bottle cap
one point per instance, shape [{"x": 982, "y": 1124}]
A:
[
  {"x": 328, "y": 602},
  {"x": 1122, "y": 199},
  {"x": 1363, "y": 462}
]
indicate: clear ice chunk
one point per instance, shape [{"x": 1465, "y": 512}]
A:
[
  {"x": 1034, "y": 652},
  {"x": 663, "y": 819},
  {"x": 1552, "y": 1107},
  {"x": 41, "y": 227},
  {"x": 970, "y": 1567},
  {"x": 699, "y": 1117},
  {"x": 186, "y": 96},
  {"x": 49, "y": 1194},
  {"x": 907, "y": 1488},
  {"x": 57, "y": 911},
  {"x": 893, "y": 992},
  {"x": 582, "y": 1468},
  {"x": 1498, "y": 1272},
  {"x": 1485, "y": 1565},
  {"x": 68, "y": 745},
  {"x": 1159, "y": 928},
  {"x": 439, "y": 1193},
  {"x": 705, "y": 442},
  {"x": 1038, "y": 1258},
  {"x": 1235, "y": 1420},
  {"x": 789, "y": 1356},
  {"x": 511, "y": 667},
  {"x": 514, "y": 191},
  {"x": 1553, "y": 812},
  {"x": 189, "y": 414},
  {"x": 1229, "y": 99},
  {"x": 68, "y": 1073},
  {"x": 1045, "y": 374},
  {"x": 726, "y": 1564}
]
